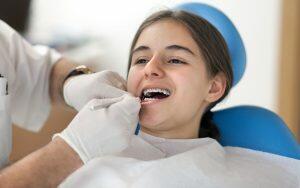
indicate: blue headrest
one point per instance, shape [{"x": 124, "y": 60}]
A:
[
  {"x": 231, "y": 35},
  {"x": 256, "y": 128}
]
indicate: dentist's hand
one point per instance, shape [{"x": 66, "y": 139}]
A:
[
  {"x": 103, "y": 127},
  {"x": 79, "y": 90}
]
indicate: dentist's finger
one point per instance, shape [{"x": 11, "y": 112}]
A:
[
  {"x": 96, "y": 104},
  {"x": 119, "y": 82},
  {"x": 129, "y": 104}
]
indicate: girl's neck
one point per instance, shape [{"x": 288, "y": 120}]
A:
[{"x": 172, "y": 134}]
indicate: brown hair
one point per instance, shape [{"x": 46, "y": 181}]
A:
[{"x": 213, "y": 49}]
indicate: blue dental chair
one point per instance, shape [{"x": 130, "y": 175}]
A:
[{"x": 245, "y": 126}]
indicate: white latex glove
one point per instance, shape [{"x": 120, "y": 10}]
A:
[
  {"x": 79, "y": 90},
  {"x": 103, "y": 127}
]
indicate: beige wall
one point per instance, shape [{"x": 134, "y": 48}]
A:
[
  {"x": 289, "y": 90},
  {"x": 24, "y": 142}
]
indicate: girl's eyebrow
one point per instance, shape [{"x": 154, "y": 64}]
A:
[
  {"x": 171, "y": 47},
  {"x": 178, "y": 47},
  {"x": 140, "y": 48}
]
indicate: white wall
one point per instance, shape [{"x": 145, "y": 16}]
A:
[{"x": 115, "y": 22}]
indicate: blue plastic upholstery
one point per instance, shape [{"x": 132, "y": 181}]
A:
[{"x": 256, "y": 128}]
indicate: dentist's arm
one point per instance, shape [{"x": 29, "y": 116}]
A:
[
  {"x": 46, "y": 167},
  {"x": 101, "y": 128},
  {"x": 58, "y": 73},
  {"x": 36, "y": 77}
]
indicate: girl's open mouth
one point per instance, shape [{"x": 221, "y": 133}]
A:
[{"x": 154, "y": 95}]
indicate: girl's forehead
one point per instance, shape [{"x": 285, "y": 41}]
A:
[{"x": 166, "y": 32}]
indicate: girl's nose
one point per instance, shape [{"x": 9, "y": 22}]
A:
[{"x": 153, "y": 69}]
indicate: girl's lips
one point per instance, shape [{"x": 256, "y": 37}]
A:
[{"x": 152, "y": 101}]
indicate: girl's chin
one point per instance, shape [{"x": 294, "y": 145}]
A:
[
  {"x": 149, "y": 123},
  {"x": 152, "y": 117}
]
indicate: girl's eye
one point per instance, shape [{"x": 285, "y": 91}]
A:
[
  {"x": 141, "y": 61},
  {"x": 176, "y": 61}
]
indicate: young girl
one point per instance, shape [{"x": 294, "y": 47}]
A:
[
  {"x": 180, "y": 68},
  {"x": 187, "y": 58}
]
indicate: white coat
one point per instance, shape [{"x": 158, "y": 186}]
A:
[{"x": 27, "y": 70}]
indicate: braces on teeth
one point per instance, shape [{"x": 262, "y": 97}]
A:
[
  {"x": 147, "y": 93},
  {"x": 164, "y": 91}
]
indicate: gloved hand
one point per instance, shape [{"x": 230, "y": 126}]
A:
[
  {"x": 79, "y": 90},
  {"x": 103, "y": 127}
]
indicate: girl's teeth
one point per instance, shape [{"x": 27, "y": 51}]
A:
[
  {"x": 164, "y": 91},
  {"x": 149, "y": 99}
]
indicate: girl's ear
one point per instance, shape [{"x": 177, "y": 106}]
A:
[{"x": 217, "y": 88}]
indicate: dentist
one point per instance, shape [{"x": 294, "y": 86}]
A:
[{"x": 32, "y": 78}]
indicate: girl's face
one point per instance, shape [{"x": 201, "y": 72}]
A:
[{"x": 168, "y": 72}]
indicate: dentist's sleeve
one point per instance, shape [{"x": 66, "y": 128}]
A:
[{"x": 28, "y": 71}]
